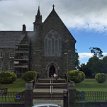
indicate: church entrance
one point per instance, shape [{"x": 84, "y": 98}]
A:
[{"x": 52, "y": 70}]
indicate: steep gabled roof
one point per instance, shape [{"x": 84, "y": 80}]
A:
[
  {"x": 53, "y": 15},
  {"x": 9, "y": 39}
]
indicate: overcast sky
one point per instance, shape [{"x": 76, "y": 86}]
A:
[{"x": 76, "y": 14}]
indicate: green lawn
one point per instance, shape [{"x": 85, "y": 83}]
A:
[
  {"x": 86, "y": 85},
  {"x": 93, "y": 91},
  {"x": 91, "y": 85},
  {"x": 17, "y": 86}
]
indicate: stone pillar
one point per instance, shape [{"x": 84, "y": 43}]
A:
[
  {"x": 71, "y": 94},
  {"x": 65, "y": 98},
  {"x": 29, "y": 94}
]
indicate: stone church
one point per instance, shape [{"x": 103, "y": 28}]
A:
[{"x": 48, "y": 49}]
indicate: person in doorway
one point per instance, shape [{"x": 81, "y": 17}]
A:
[{"x": 55, "y": 76}]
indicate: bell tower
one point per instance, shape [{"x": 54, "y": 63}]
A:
[
  {"x": 38, "y": 20},
  {"x": 36, "y": 42}
]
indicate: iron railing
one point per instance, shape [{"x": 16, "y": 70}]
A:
[
  {"x": 12, "y": 97},
  {"x": 91, "y": 96}
]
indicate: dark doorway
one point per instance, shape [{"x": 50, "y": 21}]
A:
[{"x": 51, "y": 70}]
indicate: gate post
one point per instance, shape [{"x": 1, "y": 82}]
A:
[
  {"x": 71, "y": 94},
  {"x": 29, "y": 95},
  {"x": 65, "y": 98}
]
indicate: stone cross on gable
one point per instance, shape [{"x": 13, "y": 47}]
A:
[{"x": 53, "y": 6}]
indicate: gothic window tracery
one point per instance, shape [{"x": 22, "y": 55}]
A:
[{"x": 52, "y": 44}]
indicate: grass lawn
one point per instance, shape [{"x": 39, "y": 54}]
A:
[
  {"x": 99, "y": 90},
  {"x": 86, "y": 85},
  {"x": 17, "y": 86},
  {"x": 91, "y": 85}
]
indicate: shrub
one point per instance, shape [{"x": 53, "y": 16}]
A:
[
  {"x": 100, "y": 77},
  {"x": 76, "y": 76},
  {"x": 29, "y": 76},
  {"x": 7, "y": 77}
]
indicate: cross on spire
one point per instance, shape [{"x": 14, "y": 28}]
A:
[
  {"x": 53, "y": 6},
  {"x": 38, "y": 12}
]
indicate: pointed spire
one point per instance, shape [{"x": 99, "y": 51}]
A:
[
  {"x": 38, "y": 19},
  {"x": 38, "y": 16},
  {"x": 38, "y": 12}
]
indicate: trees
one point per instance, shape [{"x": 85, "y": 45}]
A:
[
  {"x": 96, "y": 64},
  {"x": 96, "y": 51},
  {"x": 104, "y": 64},
  {"x": 86, "y": 70},
  {"x": 92, "y": 67},
  {"x": 76, "y": 61}
]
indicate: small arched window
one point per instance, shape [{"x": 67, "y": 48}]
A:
[{"x": 52, "y": 44}]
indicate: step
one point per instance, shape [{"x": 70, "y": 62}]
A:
[
  {"x": 54, "y": 85},
  {"x": 54, "y": 90},
  {"x": 54, "y": 80},
  {"x": 47, "y": 95}
]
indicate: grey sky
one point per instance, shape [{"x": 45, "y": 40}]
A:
[{"x": 74, "y": 13}]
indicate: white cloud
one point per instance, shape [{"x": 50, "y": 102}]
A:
[
  {"x": 105, "y": 54},
  {"x": 75, "y": 13},
  {"x": 83, "y": 57}
]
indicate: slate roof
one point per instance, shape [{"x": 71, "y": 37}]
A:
[
  {"x": 52, "y": 16},
  {"x": 9, "y": 39}
]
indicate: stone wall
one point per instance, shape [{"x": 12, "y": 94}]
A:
[
  {"x": 11, "y": 105},
  {"x": 6, "y": 59},
  {"x": 63, "y": 62}
]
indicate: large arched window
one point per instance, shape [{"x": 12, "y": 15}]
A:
[{"x": 52, "y": 44}]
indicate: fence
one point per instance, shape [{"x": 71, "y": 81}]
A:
[
  {"x": 11, "y": 97},
  {"x": 91, "y": 96}
]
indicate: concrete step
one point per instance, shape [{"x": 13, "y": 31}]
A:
[
  {"x": 51, "y": 79},
  {"x": 54, "y": 85},
  {"x": 54, "y": 90},
  {"x": 47, "y": 95}
]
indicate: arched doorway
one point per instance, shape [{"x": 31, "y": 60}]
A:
[{"x": 52, "y": 70}]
